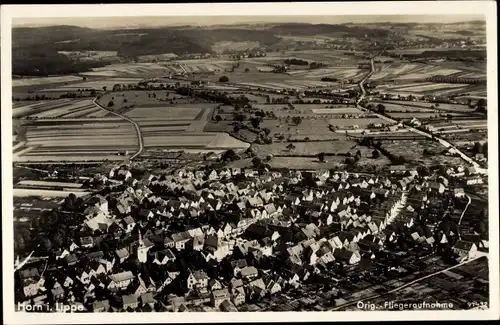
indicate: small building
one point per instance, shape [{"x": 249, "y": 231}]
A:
[
  {"x": 218, "y": 296},
  {"x": 465, "y": 249}
]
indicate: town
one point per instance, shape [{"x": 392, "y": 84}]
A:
[{"x": 273, "y": 167}]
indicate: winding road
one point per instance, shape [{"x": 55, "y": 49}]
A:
[
  {"x": 443, "y": 142},
  {"x": 137, "y": 128}
]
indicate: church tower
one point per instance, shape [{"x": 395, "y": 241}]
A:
[{"x": 142, "y": 250}]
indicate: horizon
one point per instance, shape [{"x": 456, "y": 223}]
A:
[{"x": 206, "y": 21}]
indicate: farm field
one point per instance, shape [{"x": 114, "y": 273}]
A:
[
  {"x": 21, "y": 82},
  {"x": 425, "y": 105},
  {"x": 172, "y": 112},
  {"x": 202, "y": 141},
  {"x": 220, "y": 47},
  {"x": 360, "y": 122},
  {"x": 419, "y": 115},
  {"x": 347, "y": 72},
  {"x": 408, "y": 71},
  {"x": 53, "y": 184},
  {"x": 128, "y": 70},
  {"x": 76, "y": 140},
  {"x": 415, "y": 156},
  {"x": 306, "y": 163},
  {"x": 305, "y": 148},
  {"x": 156, "y": 98},
  {"x": 57, "y": 108},
  {"x": 22, "y": 192},
  {"x": 95, "y": 84}
]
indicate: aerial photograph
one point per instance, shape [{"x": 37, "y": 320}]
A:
[{"x": 250, "y": 164}]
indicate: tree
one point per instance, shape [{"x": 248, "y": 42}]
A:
[
  {"x": 321, "y": 157},
  {"x": 381, "y": 108},
  {"x": 478, "y": 148},
  {"x": 256, "y": 162},
  {"x": 218, "y": 118},
  {"x": 236, "y": 128},
  {"x": 290, "y": 146},
  {"x": 267, "y": 131},
  {"x": 297, "y": 120},
  {"x": 229, "y": 155},
  {"x": 111, "y": 104},
  {"x": 223, "y": 79},
  {"x": 104, "y": 88},
  {"x": 255, "y": 122},
  {"x": 240, "y": 117},
  {"x": 247, "y": 70},
  {"x": 375, "y": 154}
]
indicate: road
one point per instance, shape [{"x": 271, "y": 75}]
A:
[
  {"x": 443, "y": 142},
  {"x": 137, "y": 128},
  {"x": 404, "y": 285},
  {"x": 461, "y": 217}
]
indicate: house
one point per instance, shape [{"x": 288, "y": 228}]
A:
[
  {"x": 238, "y": 297},
  {"x": 122, "y": 254},
  {"x": 197, "y": 279},
  {"x": 249, "y": 272},
  {"x": 130, "y": 302},
  {"x": 181, "y": 239},
  {"x": 147, "y": 299},
  {"x": 474, "y": 180},
  {"x": 397, "y": 169},
  {"x": 465, "y": 249},
  {"x": 57, "y": 291},
  {"x": 437, "y": 187},
  {"x": 218, "y": 296},
  {"x": 227, "y": 306},
  {"x": 214, "y": 284},
  {"x": 128, "y": 223},
  {"x": 164, "y": 256},
  {"x": 347, "y": 256},
  {"x": 238, "y": 265},
  {"x": 459, "y": 191},
  {"x": 120, "y": 280},
  {"x": 100, "y": 306}
]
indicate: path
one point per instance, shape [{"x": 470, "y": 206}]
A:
[
  {"x": 463, "y": 213},
  {"x": 137, "y": 128},
  {"x": 443, "y": 142}
]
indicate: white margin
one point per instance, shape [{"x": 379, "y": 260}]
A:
[{"x": 486, "y": 8}]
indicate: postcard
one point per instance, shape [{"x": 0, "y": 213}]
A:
[{"x": 250, "y": 162}]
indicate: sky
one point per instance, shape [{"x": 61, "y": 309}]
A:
[{"x": 121, "y": 22}]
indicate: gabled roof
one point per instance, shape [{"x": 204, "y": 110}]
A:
[{"x": 463, "y": 245}]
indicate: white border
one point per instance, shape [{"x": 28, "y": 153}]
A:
[{"x": 486, "y": 8}]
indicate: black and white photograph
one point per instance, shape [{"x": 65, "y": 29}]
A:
[{"x": 325, "y": 162}]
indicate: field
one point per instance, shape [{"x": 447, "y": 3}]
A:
[
  {"x": 220, "y": 47},
  {"x": 360, "y": 122},
  {"x": 67, "y": 108},
  {"x": 410, "y": 71},
  {"x": 43, "y": 80},
  {"x": 203, "y": 141},
  {"x": 74, "y": 140},
  {"x": 95, "y": 84},
  {"x": 172, "y": 112},
  {"x": 415, "y": 156},
  {"x": 306, "y": 148},
  {"x": 50, "y": 184}
]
